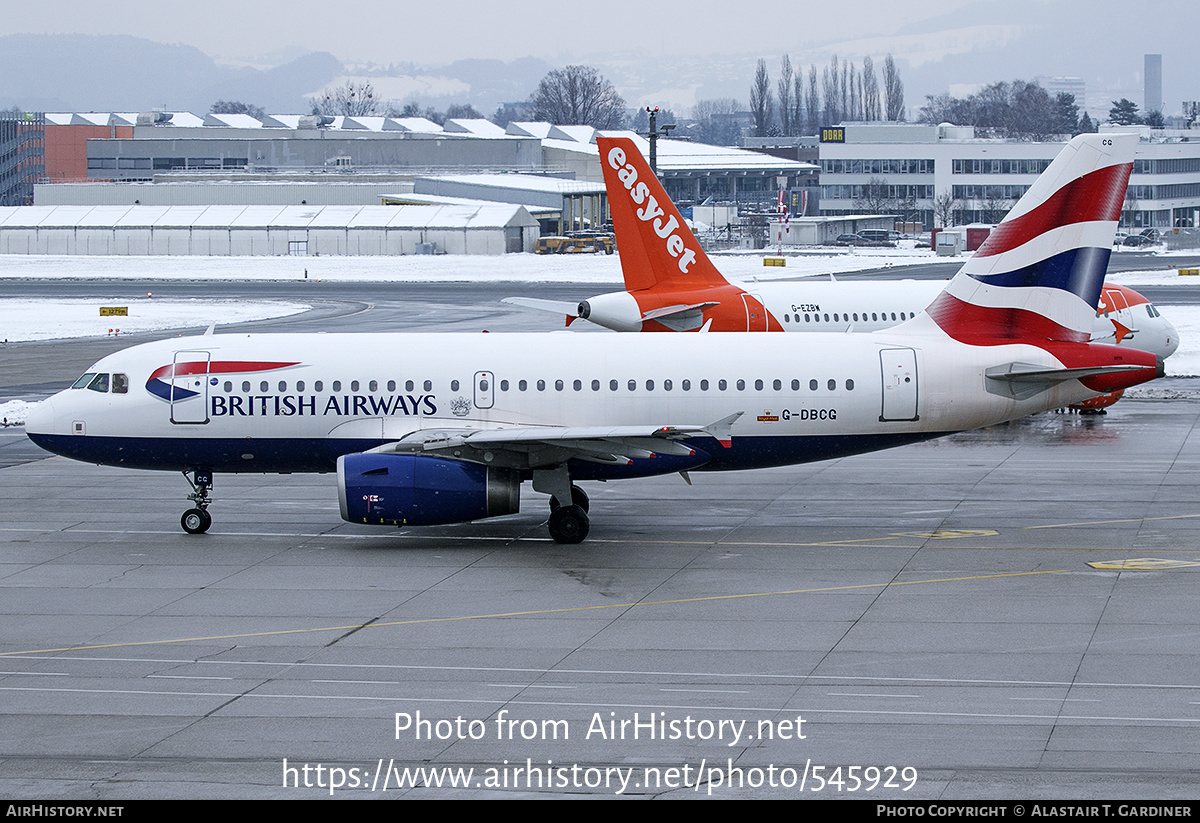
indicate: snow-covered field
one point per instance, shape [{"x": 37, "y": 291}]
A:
[
  {"x": 531, "y": 268},
  {"x": 39, "y": 320}
]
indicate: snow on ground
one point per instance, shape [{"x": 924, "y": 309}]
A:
[
  {"x": 39, "y": 320},
  {"x": 447, "y": 268},
  {"x": 1185, "y": 362},
  {"x": 13, "y": 412}
]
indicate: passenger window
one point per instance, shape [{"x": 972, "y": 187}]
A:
[
  {"x": 373, "y": 386},
  {"x": 667, "y": 385},
  {"x": 649, "y": 385},
  {"x": 832, "y": 385},
  {"x": 721, "y": 385},
  {"x": 795, "y": 385},
  {"x": 246, "y": 385},
  {"x": 577, "y": 385},
  {"x": 541, "y": 385},
  {"x": 633, "y": 385},
  {"x": 703, "y": 385},
  {"x": 522, "y": 385},
  {"x": 408, "y": 385},
  {"x": 391, "y": 385},
  {"x": 595, "y": 385},
  {"x": 264, "y": 386},
  {"x": 849, "y": 385},
  {"x": 337, "y": 385},
  {"x": 612, "y": 385},
  {"x": 503, "y": 385},
  {"x": 99, "y": 383},
  {"x": 319, "y": 385},
  {"x": 777, "y": 385},
  {"x": 758, "y": 385},
  {"x": 228, "y": 387},
  {"x": 299, "y": 385},
  {"x": 453, "y": 385},
  {"x": 353, "y": 385},
  {"x": 428, "y": 385},
  {"x": 812, "y": 385},
  {"x": 741, "y": 384},
  {"x": 686, "y": 385},
  {"x": 282, "y": 385},
  {"x": 558, "y": 385}
]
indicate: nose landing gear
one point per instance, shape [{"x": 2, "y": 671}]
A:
[{"x": 197, "y": 520}]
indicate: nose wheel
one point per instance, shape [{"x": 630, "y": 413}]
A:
[{"x": 197, "y": 520}]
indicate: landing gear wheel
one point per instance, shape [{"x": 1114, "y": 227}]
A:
[
  {"x": 569, "y": 524},
  {"x": 195, "y": 521},
  {"x": 578, "y": 498}
]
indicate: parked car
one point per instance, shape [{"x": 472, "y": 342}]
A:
[
  {"x": 851, "y": 240},
  {"x": 1137, "y": 241}
]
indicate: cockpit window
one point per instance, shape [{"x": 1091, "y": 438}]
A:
[
  {"x": 82, "y": 382},
  {"x": 120, "y": 383},
  {"x": 99, "y": 383}
]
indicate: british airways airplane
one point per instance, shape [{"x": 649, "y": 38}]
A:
[{"x": 442, "y": 428}]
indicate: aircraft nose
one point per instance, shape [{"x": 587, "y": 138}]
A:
[
  {"x": 1171, "y": 340},
  {"x": 40, "y": 418}
]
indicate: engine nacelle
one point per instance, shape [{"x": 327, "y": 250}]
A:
[
  {"x": 417, "y": 490},
  {"x": 617, "y": 311}
]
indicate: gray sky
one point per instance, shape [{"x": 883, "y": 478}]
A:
[
  {"x": 430, "y": 32},
  {"x": 673, "y": 51}
]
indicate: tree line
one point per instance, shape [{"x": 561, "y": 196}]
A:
[{"x": 799, "y": 103}]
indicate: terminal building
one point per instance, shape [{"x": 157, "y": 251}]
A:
[{"x": 911, "y": 166}]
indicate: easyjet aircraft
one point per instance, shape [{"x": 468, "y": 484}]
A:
[
  {"x": 1124, "y": 317},
  {"x": 444, "y": 428}
]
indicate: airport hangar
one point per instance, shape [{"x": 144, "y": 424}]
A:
[{"x": 467, "y": 167}]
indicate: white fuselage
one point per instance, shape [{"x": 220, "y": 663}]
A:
[{"x": 297, "y": 402}]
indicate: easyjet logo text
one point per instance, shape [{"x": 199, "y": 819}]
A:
[{"x": 650, "y": 212}]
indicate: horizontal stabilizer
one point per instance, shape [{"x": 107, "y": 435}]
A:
[
  {"x": 1023, "y": 380},
  {"x": 555, "y": 306},
  {"x": 668, "y": 311}
]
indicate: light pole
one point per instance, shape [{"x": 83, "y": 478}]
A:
[{"x": 653, "y": 134}]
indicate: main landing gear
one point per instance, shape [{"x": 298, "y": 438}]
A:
[
  {"x": 197, "y": 520},
  {"x": 569, "y": 524}
]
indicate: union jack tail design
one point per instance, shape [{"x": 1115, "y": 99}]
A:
[{"x": 1038, "y": 276}]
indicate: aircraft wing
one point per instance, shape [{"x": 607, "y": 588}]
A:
[{"x": 531, "y": 447}]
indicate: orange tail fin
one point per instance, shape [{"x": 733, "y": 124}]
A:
[{"x": 657, "y": 248}]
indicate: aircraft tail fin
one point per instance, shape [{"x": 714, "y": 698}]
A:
[
  {"x": 1038, "y": 276},
  {"x": 656, "y": 246}
]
